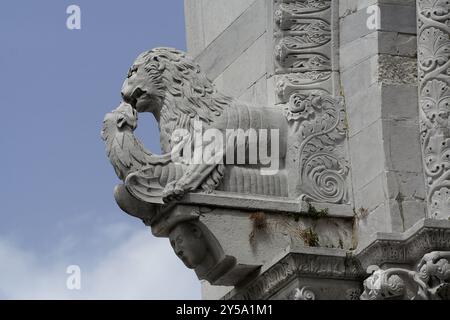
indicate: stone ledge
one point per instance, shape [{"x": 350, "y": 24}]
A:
[
  {"x": 406, "y": 248},
  {"x": 326, "y": 273},
  {"x": 263, "y": 203},
  {"x": 301, "y": 265}
]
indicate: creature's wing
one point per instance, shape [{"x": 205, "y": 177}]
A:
[{"x": 145, "y": 187}]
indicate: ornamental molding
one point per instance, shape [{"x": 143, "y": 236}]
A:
[
  {"x": 434, "y": 83},
  {"x": 406, "y": 248},
  {"x": 334, "y": 264}
]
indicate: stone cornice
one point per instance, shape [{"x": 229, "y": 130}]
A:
[{"x": 301, "y": 262}]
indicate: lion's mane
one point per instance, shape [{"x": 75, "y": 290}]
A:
[{"x": 184, "y": 87}]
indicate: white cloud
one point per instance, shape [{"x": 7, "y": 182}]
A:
[{"x": 140, "y": 267}]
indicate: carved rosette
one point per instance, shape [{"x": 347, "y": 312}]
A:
[{"x": 434, "y": 90}]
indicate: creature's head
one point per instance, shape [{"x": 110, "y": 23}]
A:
[
  {"x": 124, "y": 118},
  {"x": 168, "y": 77}
]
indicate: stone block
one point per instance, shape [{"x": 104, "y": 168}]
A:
[
  {"x": 246, "y": 70},
  {"x": 399, "y": 44},
  {"x": 363, "y": 109},
  {"x": 218, "y": 15},
  {"x": 248, "y": 96},
  {"x": 261, "y": 92},
  {"x": 400, "y": 103},
  {"x": 210, "y": 292},
  {"x": 359, "y": 50},
  {"x": 195, "y": 36},
  {"x": 394, "y": 17},
  {"x": 235, "y": 40},
  {"x": 407, "y": 185},
  {"x": 402, "y": 146},
  {"x": 399, "y": 18},
  {"x": 378, "y": 220},
  {"x": 347, "y": 7},
  {"x": 359, "y": 77},
  {"x": 354, "y": 26},
  {"x": 367, "y": 155},
  {"x": 371, "y": 195},
  {"x": 405, "y": 213}
]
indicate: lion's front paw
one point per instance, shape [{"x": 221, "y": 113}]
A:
[{"x": 172, "y": 192}]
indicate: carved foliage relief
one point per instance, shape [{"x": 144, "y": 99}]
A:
[
  {"x": 303, "y": 67},
  {"x": 434, "y": 89}
]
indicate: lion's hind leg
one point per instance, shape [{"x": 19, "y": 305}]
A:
[{"x": 195, "y": 175}]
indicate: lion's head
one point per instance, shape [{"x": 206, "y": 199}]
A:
[{"x": 167, "y": 80}]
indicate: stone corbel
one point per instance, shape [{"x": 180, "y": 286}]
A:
[{"x": 210, "y": 210}]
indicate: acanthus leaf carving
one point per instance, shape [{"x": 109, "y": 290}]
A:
[{"x": 434, "y": 65}]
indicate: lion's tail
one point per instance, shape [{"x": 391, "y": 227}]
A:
[{"x": 214, "y": 179}]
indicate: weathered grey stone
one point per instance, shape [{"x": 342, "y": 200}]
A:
[
  {"x": 305, "y": 274},
  {"x": 433, "y": 38},
  {"x": 397, "y": 44},
  {"x": 395, "y": 70},
  {"x": 400, "y": 103},
  {"x": 363, "y": 109},
  {"x": 406, "y": 248},
  {"x": 370, "y": 196},
  {"x": 367, "y": 154},
  {"x": 428, "y": 282},
  {"x": 235, "y": 40},
  {"x": 219, "y": 15},
  {"x": 360, "y": 77},
  {"x": 393, "y": 18},
  {"x": 401, "y": 145},
  {"x": 349, "y": 196},
  {"x": 195, "y": 35},
  {"x": 244, "y": 71},
  {"x": 409, "y": 185}
]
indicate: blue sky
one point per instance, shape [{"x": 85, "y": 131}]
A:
[{"x": 57, "y": 206}]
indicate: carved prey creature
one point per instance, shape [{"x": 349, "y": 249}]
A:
[{"x": 128, "y": 155}]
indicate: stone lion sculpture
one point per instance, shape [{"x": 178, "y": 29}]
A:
[{"x": 171, "y": 86}]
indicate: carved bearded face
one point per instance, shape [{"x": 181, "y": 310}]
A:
[
  {"x": 143, "y": 86},
  {"x": 189, "y": 244}
]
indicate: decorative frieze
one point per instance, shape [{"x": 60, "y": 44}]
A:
[
  {"x": 406, "y": 248},
  {"x": 306, "y": 77},
  {"x": 302, "y": 265},
  {"x": 434, "y": 90},
  {"x": 303, "y": 46}
]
